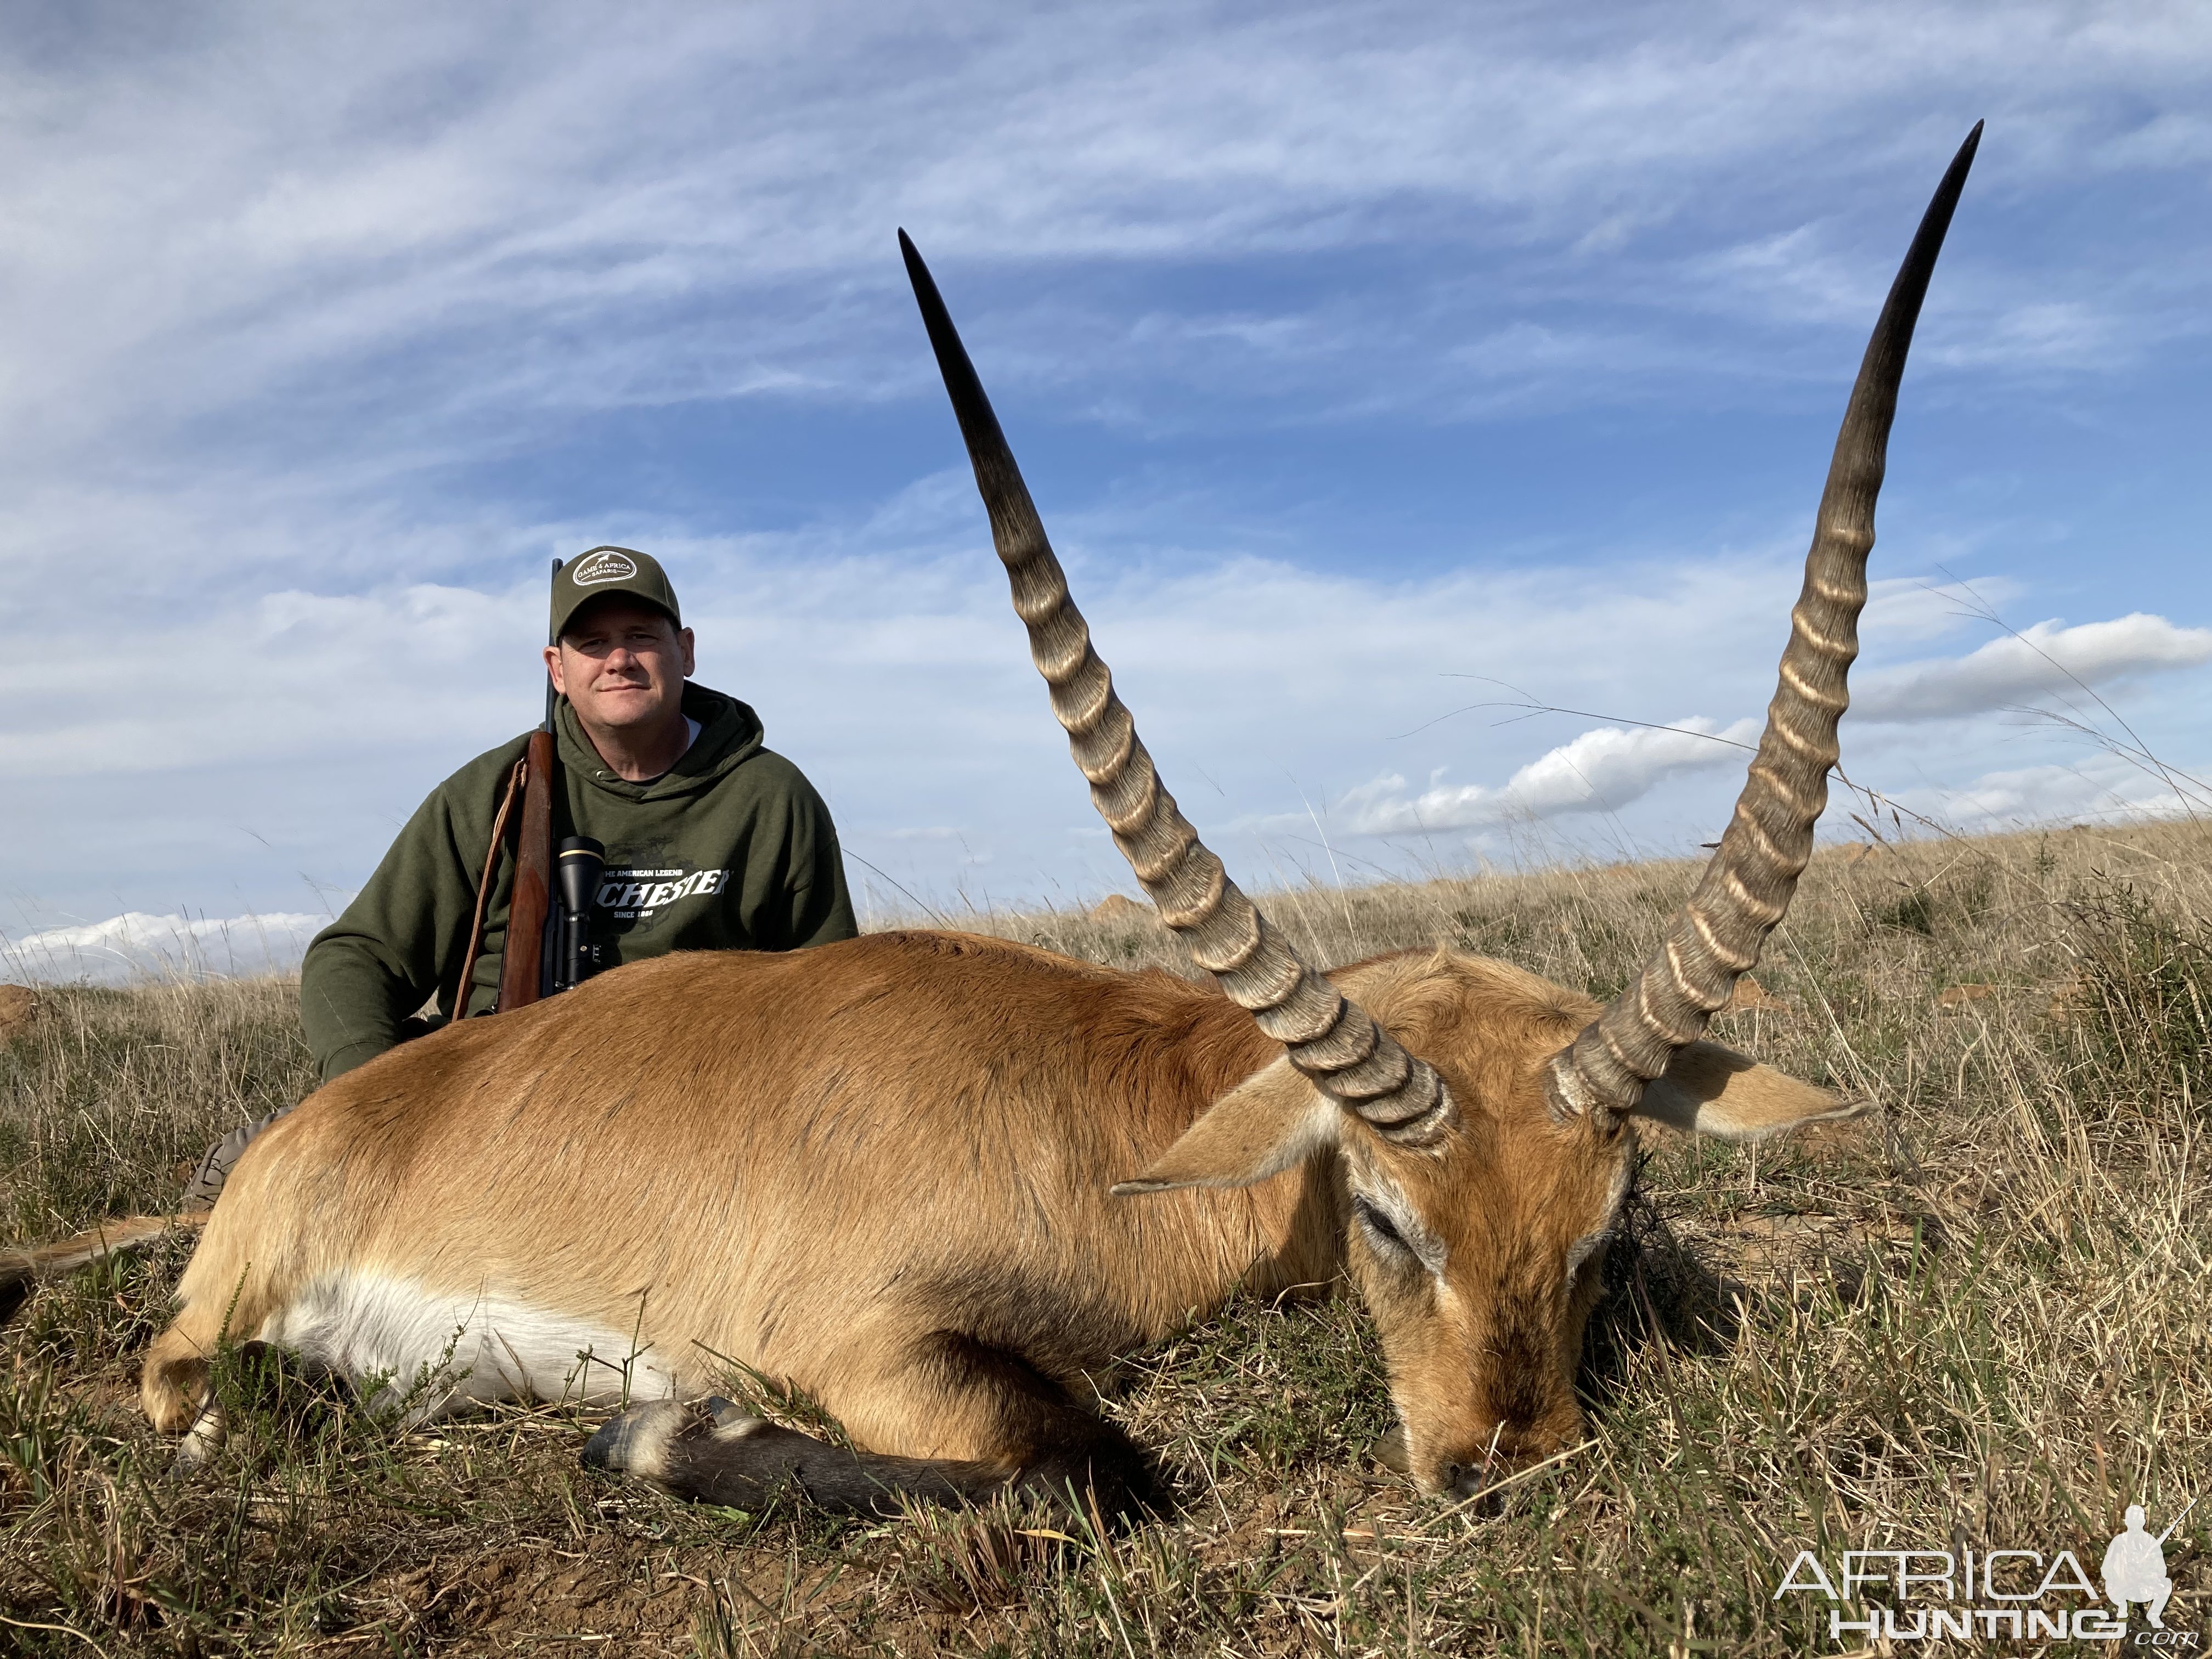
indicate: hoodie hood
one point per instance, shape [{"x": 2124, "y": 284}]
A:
[{"x": 730, "y": 734}]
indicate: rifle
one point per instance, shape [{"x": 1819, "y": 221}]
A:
[
  {"x": 548, "y": 945},
  {"x": 522, "y": 968},
  {"x": 2178, "y": 1519}
]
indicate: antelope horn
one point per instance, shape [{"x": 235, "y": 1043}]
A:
[
  {"x": 1329, "y": 1038},
  {"x": 1716, "y": 938}
]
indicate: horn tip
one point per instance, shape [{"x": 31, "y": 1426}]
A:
[
  {"x": 911, "y": 255},
  {"x": 1954, "y": 176}
]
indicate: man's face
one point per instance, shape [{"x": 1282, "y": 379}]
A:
[{"x": 622, "y": 665}]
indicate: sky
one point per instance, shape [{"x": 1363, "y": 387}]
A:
[{"x": 1430, "y": 402}]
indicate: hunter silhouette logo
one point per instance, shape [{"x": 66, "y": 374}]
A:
[
  {"x": 2135, "y": 1567},
  {"x": 2000, "y": 1593},
  {"x": 604, "y": 566}
]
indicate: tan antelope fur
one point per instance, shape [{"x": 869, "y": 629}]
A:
[{"x": 939, "y": 1182}]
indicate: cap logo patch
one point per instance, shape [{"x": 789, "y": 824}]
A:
[{"x": 603, "y": 567}]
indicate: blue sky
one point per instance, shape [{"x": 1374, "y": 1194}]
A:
[{"x": 1350, "y": 350}]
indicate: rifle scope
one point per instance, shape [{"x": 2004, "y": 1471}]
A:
[{"x": 581, "y": 862}]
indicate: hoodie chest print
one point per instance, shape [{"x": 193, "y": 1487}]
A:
[{"x": 633, "y": 895}]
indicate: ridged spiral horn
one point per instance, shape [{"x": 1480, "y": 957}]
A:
[
  {"x": 1715, "y": 939},
  {"x": 1328, "y": 1037}
]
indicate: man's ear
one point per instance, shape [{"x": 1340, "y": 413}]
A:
[
  {"x": 1718, "y": 1092},
  {"x": 1270, "y": 1122}
]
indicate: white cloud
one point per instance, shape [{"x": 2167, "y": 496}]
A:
[
  {"x": 2044, "y": 660},
  {"x": 2103, "y": 788},
  {"x": 137, "y": 946},
  {"x": 225, "y": 756},
  {"x": 436, "y": 214},
  {"x": 1600, "y": 771},
  {"x": 895, "y": 673},
  {"x": 291, "y": 736},
  {"x": 271, "y": 681},
  {"x": 1901, "y": 608}
]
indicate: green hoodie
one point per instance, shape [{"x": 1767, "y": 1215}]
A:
[{"x": 730, "y": 849}]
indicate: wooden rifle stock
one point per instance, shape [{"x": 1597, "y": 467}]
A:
[
  {"x": 523, "y": 958},
  {"x": 521, "y": 962}
]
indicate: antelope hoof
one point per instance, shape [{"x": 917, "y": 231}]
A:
[
  {"x": 201, "y": 1442},
  {"x": 636, "y": 1442}
]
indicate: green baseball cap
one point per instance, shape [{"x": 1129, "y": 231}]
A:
[{"x": 606, "y": 570}]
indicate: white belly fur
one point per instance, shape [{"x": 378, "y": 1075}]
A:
[{"x": 431, "y": 1352}]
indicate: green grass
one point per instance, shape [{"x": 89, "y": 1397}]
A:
[{"x": 1975, "y": 1318}]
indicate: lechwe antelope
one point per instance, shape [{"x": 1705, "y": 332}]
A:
[{"x": 937, "y": 1181}]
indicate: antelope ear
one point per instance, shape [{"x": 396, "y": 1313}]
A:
[
  {"x": 1270, "y": 1122},
  {"x": 1718, "y": 1092}
]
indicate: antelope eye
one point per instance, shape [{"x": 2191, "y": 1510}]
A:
[{"x": 1380, "y": 1225}]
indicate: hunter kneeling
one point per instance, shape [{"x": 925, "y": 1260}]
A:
[{"x": 712, "y": 841}]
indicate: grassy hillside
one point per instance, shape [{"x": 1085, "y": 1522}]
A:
[{"x": 1975, "y": 1318}]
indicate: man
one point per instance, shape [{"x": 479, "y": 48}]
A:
[{"x": 713, "y": 841}]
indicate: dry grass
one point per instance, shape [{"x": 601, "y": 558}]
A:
[{"x": 1977, "y": 1319}]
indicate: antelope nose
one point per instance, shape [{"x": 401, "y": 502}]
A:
[{"x": 1464, "y": 1480}]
